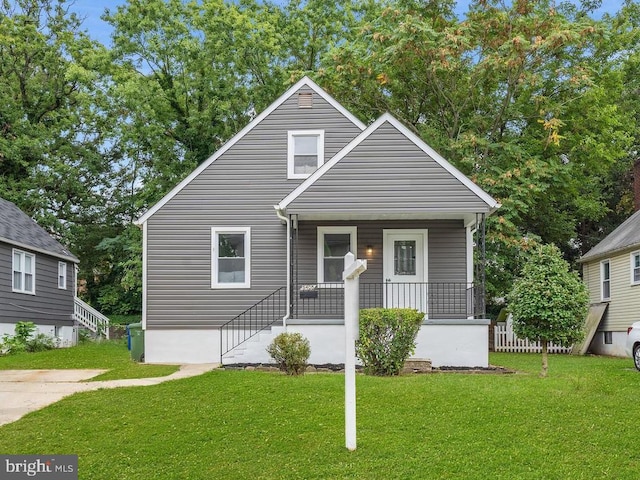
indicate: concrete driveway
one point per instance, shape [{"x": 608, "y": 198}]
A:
[{"x": 24, "y": 391}]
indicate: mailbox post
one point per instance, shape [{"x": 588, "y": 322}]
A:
[{"x": 351, "y": 276}]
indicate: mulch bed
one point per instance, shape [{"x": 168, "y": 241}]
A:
[{"x": 339, "y": 368}]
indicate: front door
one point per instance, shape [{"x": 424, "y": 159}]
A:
[{"x": 405, "y": 269}]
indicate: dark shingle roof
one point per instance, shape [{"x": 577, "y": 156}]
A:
[
  {"x": 17, "y": 228},
  {"x": 625, "y": 236}
]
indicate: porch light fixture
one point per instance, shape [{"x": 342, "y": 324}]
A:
[{"x": 369, "y": 249}]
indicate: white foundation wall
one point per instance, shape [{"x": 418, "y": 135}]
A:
[
  {"x": 182, "y": 346},
  {"x": 327, "y": 342},
  {"x": 67, "y": 335},
  {"x": 451, "y": 343},
  {"x": 448, "y": 343},
  {"x": 616, "y": 348}
]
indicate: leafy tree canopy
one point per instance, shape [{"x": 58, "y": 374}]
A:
[{"x": 536, "y": 101}]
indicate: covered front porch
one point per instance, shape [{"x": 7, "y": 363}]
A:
[
  {"x": 423, "y": 264},
  {"x": 426, "y": 264}
]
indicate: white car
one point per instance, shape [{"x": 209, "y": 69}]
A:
[{"x": 633, "y": 343}]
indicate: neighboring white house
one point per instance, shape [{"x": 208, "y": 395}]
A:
[
  {"x": 611, "y": 271},
  {"x": 254, "y": 239}
]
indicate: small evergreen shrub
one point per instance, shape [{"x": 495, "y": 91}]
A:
[
  {"x": 387, "y": 338},
  {"x": 291, "y": 352}
]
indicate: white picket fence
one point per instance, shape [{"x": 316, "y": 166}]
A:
[{"x": 506, "y": 341}]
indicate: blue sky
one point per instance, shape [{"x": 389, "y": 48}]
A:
[{"x": 91, "y": 10}]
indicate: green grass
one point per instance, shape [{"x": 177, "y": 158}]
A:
[
  {"x": 111, "y": 355},
  {"x": 579, "y": 423}
]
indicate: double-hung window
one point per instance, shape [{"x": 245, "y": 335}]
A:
[
  {"x": 62, "y": 275},
  {"x": 605, "y": 279},
  {"x": 333, "y": 244},
  {"x": 635, "y": 268},
  {"x": 305, "y": 152},
  {"x": 230, "y": 257},
  {"x": 24, "y": 272}
]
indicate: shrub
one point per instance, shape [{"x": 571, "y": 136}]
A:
[
  {"x": 387, "y": 338},
  {"x": 40, "y": 343},
  {"x": 17, "y": 343},
  {"x": 291, "y": 352},
  {"x": 24, "y": 341}
]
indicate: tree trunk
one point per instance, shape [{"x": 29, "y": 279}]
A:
[{"x": 545, "y": 358}]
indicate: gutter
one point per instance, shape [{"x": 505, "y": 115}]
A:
[{"x": 287, "y": 221}]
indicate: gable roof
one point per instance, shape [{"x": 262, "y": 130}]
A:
[
  {"x": 490, "y": 203},
  {"x": 18, "y": 229},
  {"x": 626, "y": 236},
  {"x": 305, "y": 81}
]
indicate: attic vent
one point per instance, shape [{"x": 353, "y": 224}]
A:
[{"x": 305, "y": 100}]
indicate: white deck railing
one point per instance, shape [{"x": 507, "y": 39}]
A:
[{"x": 91, "y": 318}]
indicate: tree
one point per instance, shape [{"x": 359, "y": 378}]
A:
[
  {"x": 512, "y": 96},
  {"x": 548, "y": 302},
  {"x": 60, "y": 158}
]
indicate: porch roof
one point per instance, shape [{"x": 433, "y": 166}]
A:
[{"x": 388, "y": 172}]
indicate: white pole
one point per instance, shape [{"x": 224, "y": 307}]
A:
[
  {"x": 351, "y": 307},
  {"x": 352, "y": 270}
]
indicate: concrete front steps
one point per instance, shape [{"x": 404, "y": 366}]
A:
[{"x": 254, "y": 350}]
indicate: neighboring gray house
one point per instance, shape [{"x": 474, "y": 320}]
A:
[
  {"x": 37, "y": 277},
  {"x": 255, "y": 237},
  {"x": 611, "y": 271}
]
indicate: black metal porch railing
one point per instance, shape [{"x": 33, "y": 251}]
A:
[
  {"x": 260, "y": 316},
  {"x": 437, "y": 300}
]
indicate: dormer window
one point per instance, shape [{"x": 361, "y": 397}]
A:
[{"x": 305, "y": 152}]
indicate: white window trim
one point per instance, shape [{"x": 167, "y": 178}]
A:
[
  {"x": 632, "y": 265},
  {"x": 62, "y": 272},
  {"x": 291, "y": 134},
  {"x": 33, "y": 273},
  {"x": 215, "y": 231},
  {"x": 353, "y": 231},
  {"x": 602, "y": 263}
]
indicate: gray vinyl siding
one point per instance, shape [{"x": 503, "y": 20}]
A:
[
  {"x": 387, "y": 174},
  {"x": 446, "y": 243},
  {"x": 239, "y": 189},
  {"x": 50, "y": 305},
  {"x": 624, "y": 305}
]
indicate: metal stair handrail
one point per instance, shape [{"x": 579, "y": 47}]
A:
[
  {"x": 253, "y": 320},
  {"x": 90, "y": 318}
]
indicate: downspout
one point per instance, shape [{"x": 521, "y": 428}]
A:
[{"x": 286, "y": 220}]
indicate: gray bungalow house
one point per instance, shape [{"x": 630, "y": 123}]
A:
[
  {"x": 254, "y": 239},
  {"x": 37, "y": 277},
  {"x": 611, "y": 271}
]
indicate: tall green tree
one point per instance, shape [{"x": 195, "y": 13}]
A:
[
  {"x": 51, "y": 132},
  {"x": 512, "y": 96},
  {"x": 58, "y": 155}
]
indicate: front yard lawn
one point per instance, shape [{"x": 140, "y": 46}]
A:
[
  {"x": 112, "y": 355},
  {"x": 579, "y": 423}
]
